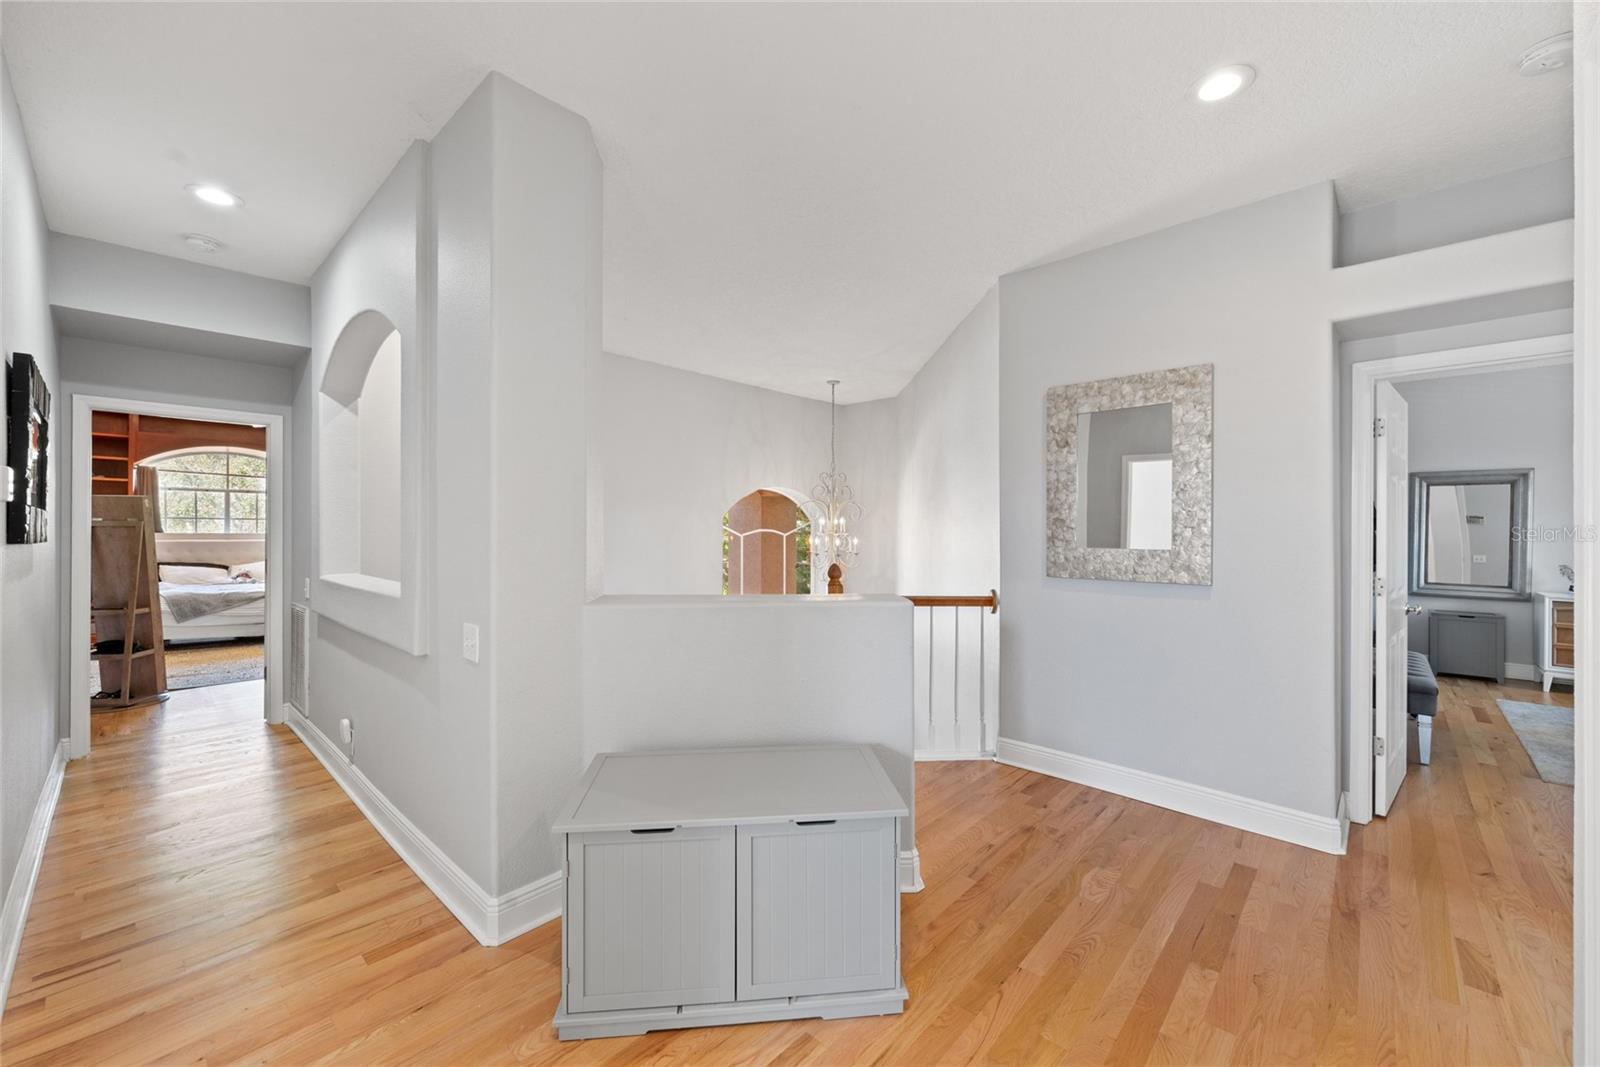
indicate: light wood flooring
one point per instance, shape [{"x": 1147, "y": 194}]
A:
[{"x": 210, "y": 895}]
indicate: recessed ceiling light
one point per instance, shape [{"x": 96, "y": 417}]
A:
[
  {"x": 201, "y": 243},
  {"x": 215, "y": 195},
  {"x": 1223, "y": 83}
]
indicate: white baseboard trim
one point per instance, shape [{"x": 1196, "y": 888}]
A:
[
  {"x": 533, "y": 905},
  {"x": 935, "y": 756},
  {"x": 492, "y": 920},
  {"x": 1523, "y": 672},
  {"x": 1322, "y": 833},
  {"x": 19, "y": 894},
  {"x": 910, "y": 871}
]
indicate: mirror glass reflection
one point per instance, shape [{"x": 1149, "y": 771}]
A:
[
  {"x": 1125, "y": 478},
  {"x": 1469, "y": 534}
]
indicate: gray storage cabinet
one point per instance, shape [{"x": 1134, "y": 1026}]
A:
[
  {"x": 1470, "y": 643},
  {"x": 730, "y": 885}
]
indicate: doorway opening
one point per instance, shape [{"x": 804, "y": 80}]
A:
[
  {"x": 1461, "y": 549},
  {"x": 176, "y": 561}
]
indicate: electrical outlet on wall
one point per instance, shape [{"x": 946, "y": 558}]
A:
[
  {"x": 469, "y": 642},
  {"x": 1480, "y": 559},
  {"x": 308, "y": 588}
]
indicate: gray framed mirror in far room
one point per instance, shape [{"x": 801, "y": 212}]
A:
[
  {"x": 1468, "y": 533},
  {"x": 1128, "y": 478}
]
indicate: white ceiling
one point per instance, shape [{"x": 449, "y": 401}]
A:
[{"x": 792, "y": 193}]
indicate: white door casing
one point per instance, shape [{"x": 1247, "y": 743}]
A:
[{"x": 1391, "y": 478}]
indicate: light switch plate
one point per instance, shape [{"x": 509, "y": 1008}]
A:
[{"x": 469, "y": 642}]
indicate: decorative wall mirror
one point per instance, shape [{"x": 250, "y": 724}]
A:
[
  {"x": 1467, "y": 533},
  {"x": 1128, "y": 478}
]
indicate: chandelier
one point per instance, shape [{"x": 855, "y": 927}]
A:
[{"x": 833, "y": 508}]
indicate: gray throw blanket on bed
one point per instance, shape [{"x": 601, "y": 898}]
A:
[{"x": 190, "y": 602}]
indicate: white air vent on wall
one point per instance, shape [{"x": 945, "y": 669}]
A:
[{"x": 299, "y": 657}]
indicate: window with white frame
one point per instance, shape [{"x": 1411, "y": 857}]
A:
[{"x": 218, "y": 490}]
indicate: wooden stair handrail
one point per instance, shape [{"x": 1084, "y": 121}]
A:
[{"x": 991, "y": 601}]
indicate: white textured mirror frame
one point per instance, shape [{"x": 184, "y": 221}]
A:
[{"x": 1188, "y": 562}]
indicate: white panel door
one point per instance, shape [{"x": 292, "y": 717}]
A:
[
  {"x": 819, "y": 908},
  {"x": 650, "y": 918},
  {"x": 1391, "y": 490}
]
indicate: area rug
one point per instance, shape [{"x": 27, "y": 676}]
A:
[
  {"x": 1545, "y": 730},
  {"x": 194, "y": 666}
]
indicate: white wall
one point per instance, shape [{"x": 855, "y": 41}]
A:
[
  {"x": 947, "y": 419},
  {"x": 30, "y": 607},
  {"x": 380, "y": 447},
  {"x": 1230, "y": 686},
  {"x": 869, "y": 454},
  {"x": 686, "y": 672},
  {"x": 1508, "y": 419},
  {"x": 678, "y": 449}
]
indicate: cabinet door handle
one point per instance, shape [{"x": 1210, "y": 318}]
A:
[
  {"x": 815, "y": 822},
  {"x": 655, "y": 830}
]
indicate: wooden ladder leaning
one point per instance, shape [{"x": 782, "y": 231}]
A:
[{"x": 125, "y": 601}]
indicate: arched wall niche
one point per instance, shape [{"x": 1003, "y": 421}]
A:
[
  {"x": 373, "y": 305},
  {"x": 362, "y": 404}
]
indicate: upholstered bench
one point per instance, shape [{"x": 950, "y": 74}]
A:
[{"x": 1422, "y": 701}]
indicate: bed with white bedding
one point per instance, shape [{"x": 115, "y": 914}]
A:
[
  {"x": 212, "y": 588},
  {"x": 229, "y": 617}
]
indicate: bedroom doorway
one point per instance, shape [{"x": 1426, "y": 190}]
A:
[{"x": 176, "y": 526}]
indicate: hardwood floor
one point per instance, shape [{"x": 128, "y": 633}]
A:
[{"x": 208, "y": 894}]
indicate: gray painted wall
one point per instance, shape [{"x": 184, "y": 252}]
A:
[
  {"x": 948, "y": 509},
  {"x": 678, "y": 448},
  {"x": 546, "y": 350},
  {"x": 422, "y": 724},
  {"x": 30, "y": 606},
  {"x": 478, "y": 755},
  {"x": 1516, "y": 418},
  {"x": 123, "y": 283},
  {"x": 1243, "y": 699},
  {"x": 127, "y": 370},
  {"x": 1497, "y": 204}
]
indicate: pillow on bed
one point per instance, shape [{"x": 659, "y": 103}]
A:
[
  {"x": 249, "y": 572},
  {"x": 194, "y": 574}
]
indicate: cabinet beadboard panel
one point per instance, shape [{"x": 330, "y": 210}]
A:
[
  {"x": 650, "y": 918},
  {"x": 816, "y": 908}
]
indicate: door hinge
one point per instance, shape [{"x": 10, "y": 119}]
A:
[
  {"x": 1377, "y": 426},
  {"x": 1377, "y": 746},
  {"x": 1377, "y": 585}
]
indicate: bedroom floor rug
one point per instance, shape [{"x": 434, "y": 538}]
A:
[
  {"x": 1545, "y": 730},
  {"x": 194, "y": 666}
]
